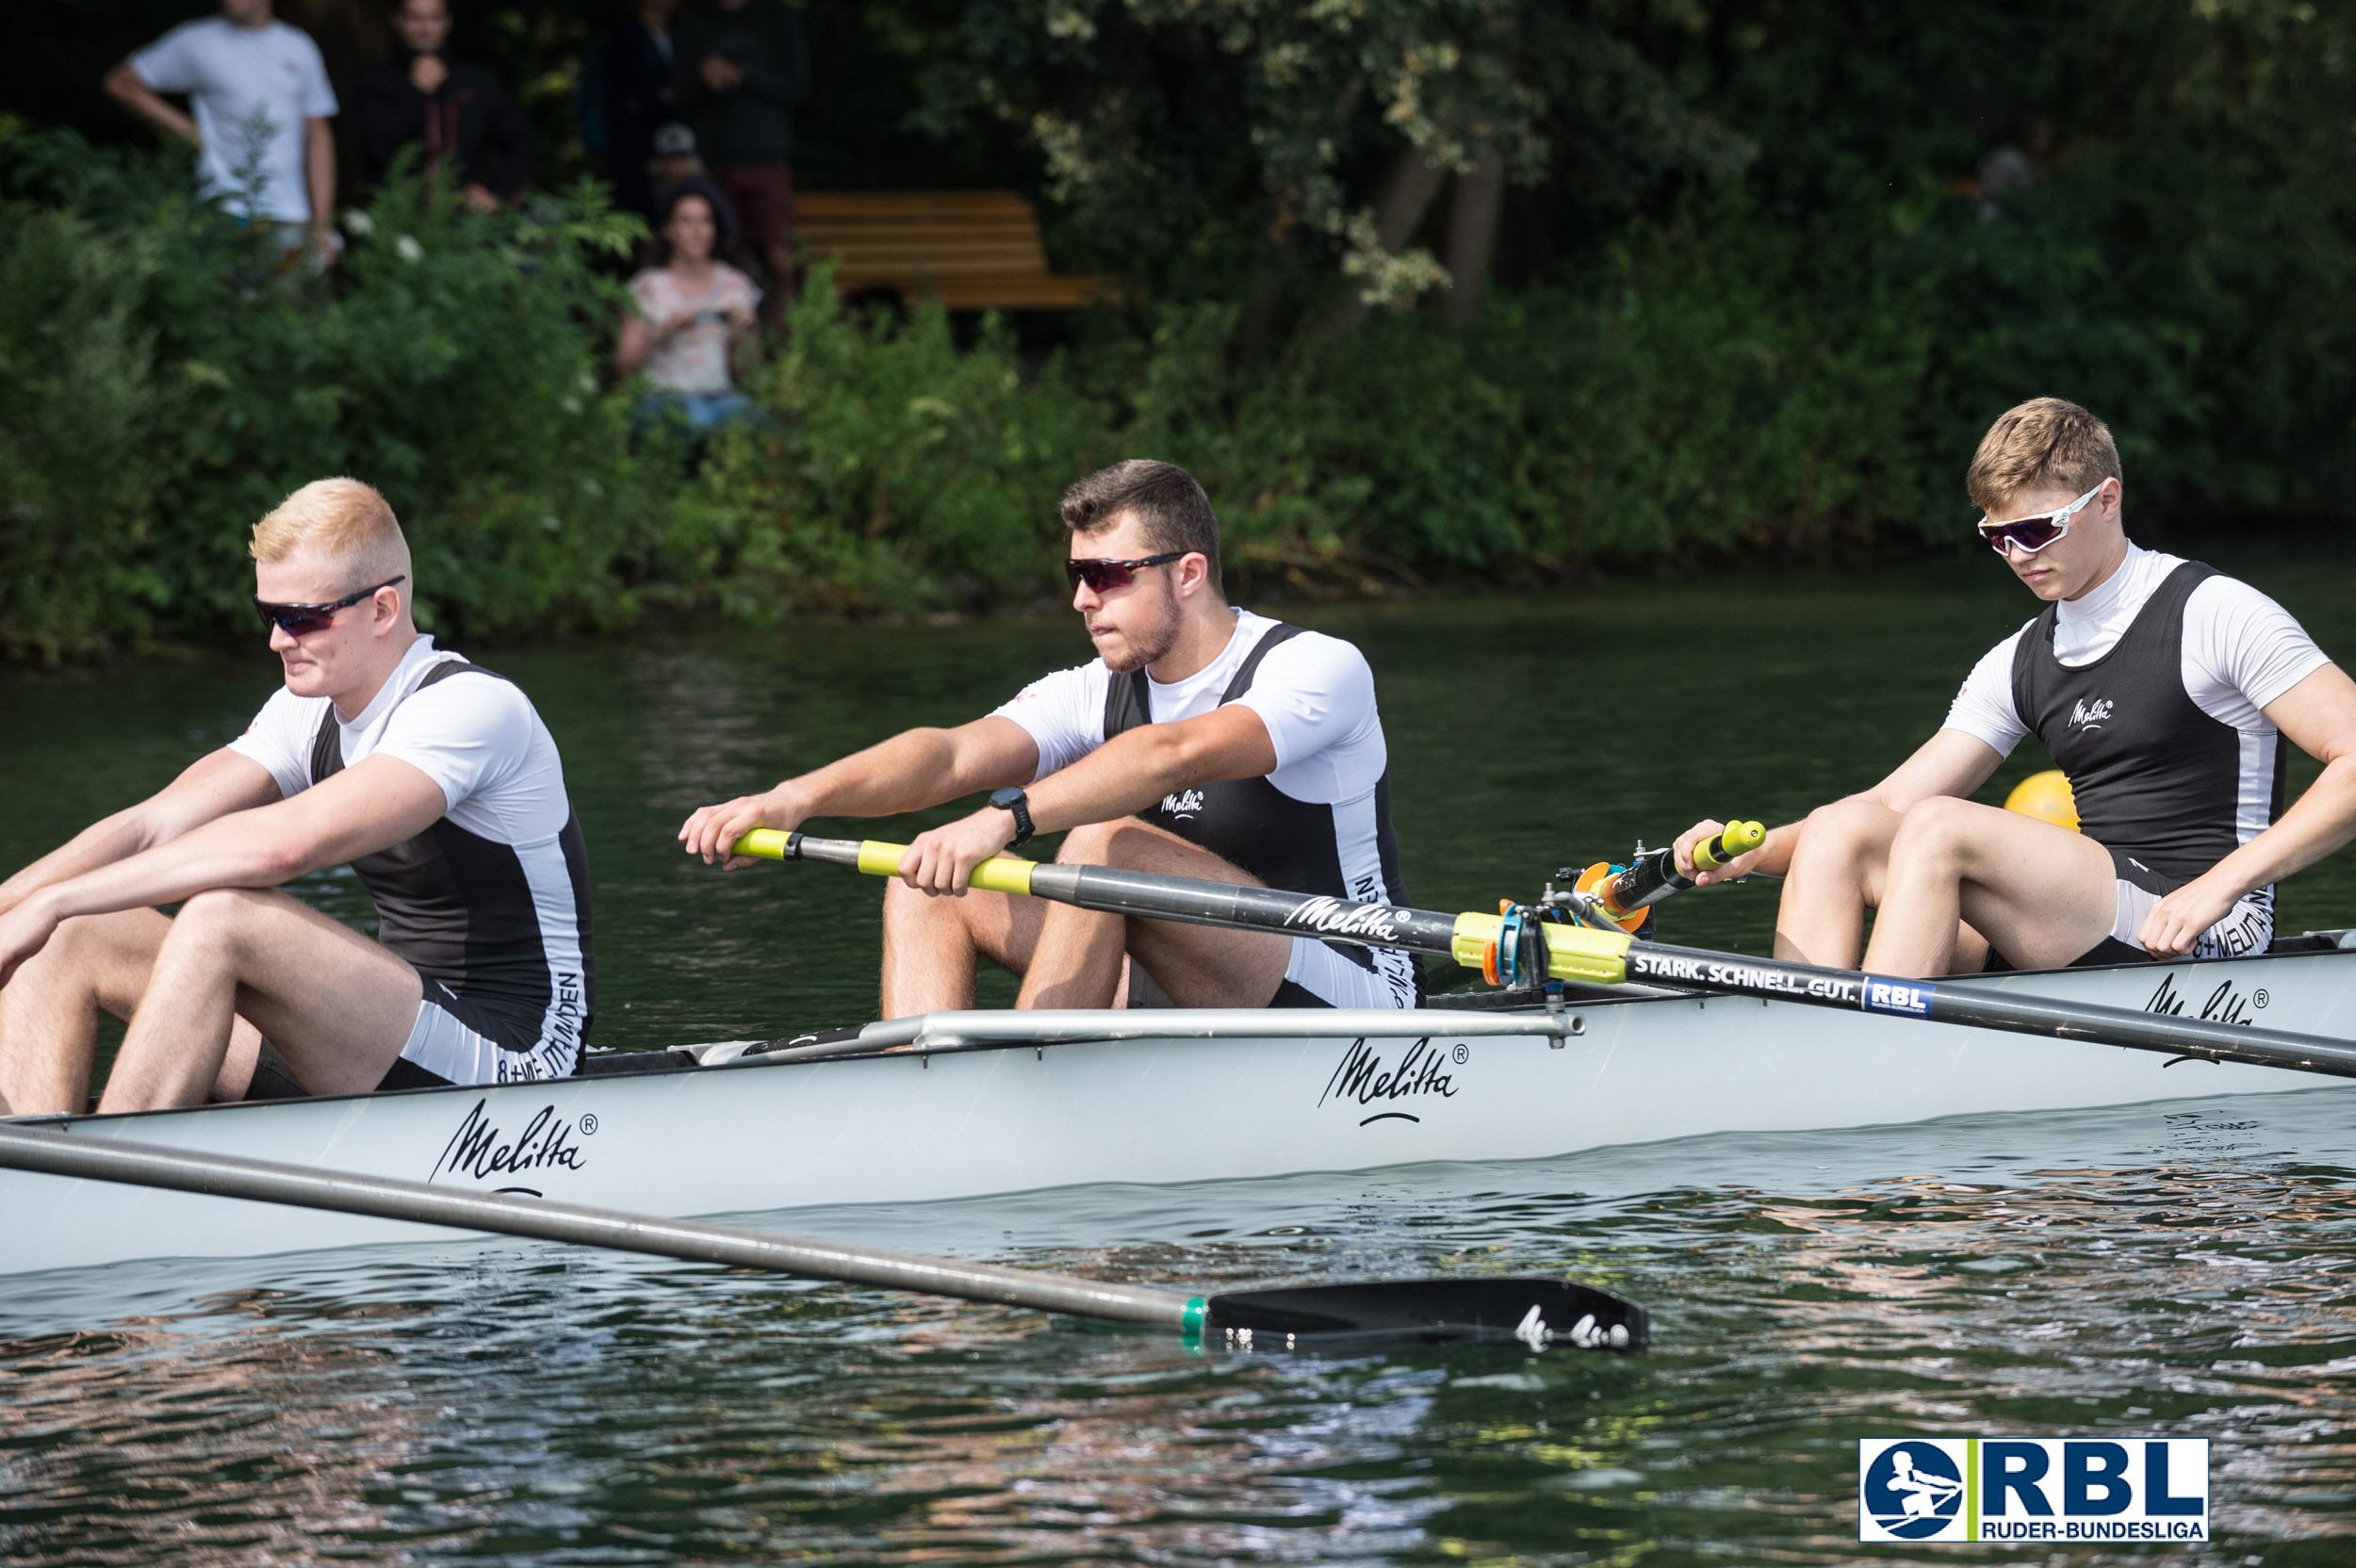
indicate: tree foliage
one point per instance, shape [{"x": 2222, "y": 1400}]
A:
[{"x": 1196, "y": 142}]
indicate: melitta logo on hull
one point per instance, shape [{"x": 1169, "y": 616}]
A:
[
  {"x": 482, "y": 1151},
  {"x": 1340, "y": 918},
  {"x": 1422, "y": 1073},
  {"x": 2227, "y": 1003},
  {"x": 2061, "y": 1488}
]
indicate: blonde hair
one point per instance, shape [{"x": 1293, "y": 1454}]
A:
[
  {"x": 2045, "y": 443},
  {"x": 343, "y": 519}
]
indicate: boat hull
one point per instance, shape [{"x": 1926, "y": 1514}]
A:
[{"x": 920, "y": 1125}]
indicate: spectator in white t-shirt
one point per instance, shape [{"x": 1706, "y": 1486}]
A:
[
  {"x": 695, "y": 315},
  {"x": 262, "y": 103}
]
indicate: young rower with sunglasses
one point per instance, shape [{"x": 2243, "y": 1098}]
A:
[
  {"x": 1203, "y": 740},
  {"x": 2163, "y": 689},
  {"x": 433, "y": 778}
]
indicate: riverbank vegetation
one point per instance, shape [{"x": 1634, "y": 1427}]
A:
[{"x": 1422, "y": 292}]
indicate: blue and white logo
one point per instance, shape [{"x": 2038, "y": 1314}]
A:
[
  {"x": 1912, "y": 1491},
  {"x": 2031, "y": 1488},
  {"x": 1908, "y": 997}
]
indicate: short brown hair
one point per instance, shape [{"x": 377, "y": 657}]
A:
[
  {"x": 2045, "y": 443},
  {"x": 342, "y": 518},
  {"x": 1170, "y": 506}
]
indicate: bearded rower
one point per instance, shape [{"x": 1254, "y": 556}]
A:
[
  {"x": 432, "y": 777},
  {"x": 1205, "y": 741},
  {"x": 2163, "y": 689}
]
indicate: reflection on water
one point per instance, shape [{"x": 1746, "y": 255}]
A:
[
  {"x": 2166, "y": 1269},
  {"x": 2180, "y": 1270}
]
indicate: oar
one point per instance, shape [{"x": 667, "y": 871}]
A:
[
  {"x": 1601, "y": 897},
  {"x": 1656, "y": 877},
  {"x": 1596, "y": 957},
  {"x": 1535, "y": 1312}
]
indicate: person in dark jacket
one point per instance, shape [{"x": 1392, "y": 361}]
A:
[
  {"x": 456, "y": 111},
  {"x": 636, "y": 100},
  {"x": 742, "y": 65}
]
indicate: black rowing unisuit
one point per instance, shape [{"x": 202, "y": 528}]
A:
[
  {"x": 2157, "y": 781},
  {"x": 1289, "y": 844},
  {"x": 460, "y": 908}
]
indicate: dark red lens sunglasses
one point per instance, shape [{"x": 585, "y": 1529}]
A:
[
  {"x": 299, "y": 620},
  {"x": 2031, "y": 535},
  {"x": 1101, "y": 575}
]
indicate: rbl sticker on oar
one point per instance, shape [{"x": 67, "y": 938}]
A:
[{"x": 2057, "y": 1489}]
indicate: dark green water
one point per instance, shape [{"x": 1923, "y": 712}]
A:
[{"x": 2188, "y": 1270}]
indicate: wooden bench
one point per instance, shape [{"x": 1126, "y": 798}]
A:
[{"x": 974, "y": 250}]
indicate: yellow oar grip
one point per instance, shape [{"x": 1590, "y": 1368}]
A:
[
  {"x": 1739, "y": 838},
  {"x": 1001, "y": 875},
  {"x": 1573, "y": 952}
]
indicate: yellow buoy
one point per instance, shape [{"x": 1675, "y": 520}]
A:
[{"x": 2045, "y": 797}]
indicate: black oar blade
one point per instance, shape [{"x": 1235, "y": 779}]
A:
[{"x": 1536, "y": 1313}]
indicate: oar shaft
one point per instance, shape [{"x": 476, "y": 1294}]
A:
[
  {"x": 106, "y": 1159},
  {"x": 1186, "y": 900},
  {"x": 1604, "y": 957},
  {"x": 1985, "y": 1008}
]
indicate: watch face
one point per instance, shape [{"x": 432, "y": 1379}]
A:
[{"x": 1006, "y": 800}]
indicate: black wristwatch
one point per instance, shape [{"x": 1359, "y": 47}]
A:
[{"x": 1020, "y": 804}]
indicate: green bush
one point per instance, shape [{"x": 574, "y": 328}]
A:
[
  {"x": 1797, "y": 359},
  {"x": 167, "y": 379},
  {"x": 81, "y": 409},
  {"x": 891, "y": 471}
]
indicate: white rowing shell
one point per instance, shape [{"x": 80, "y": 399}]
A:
[{"x": 959, "y": 1121}]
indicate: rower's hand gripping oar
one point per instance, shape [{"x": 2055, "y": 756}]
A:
[
  {"x": 1536, "y": 1313},
  {"x": 1596, "y": 957},
  {"x": 1620, "y": 896}
]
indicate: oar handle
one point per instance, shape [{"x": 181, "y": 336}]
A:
[
  {"x": 1001, "y": 874},
  {"x": 1739, "y": 840},
  {"x": 1656, "y": 877}
]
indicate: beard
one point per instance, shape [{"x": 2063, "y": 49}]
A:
[{"x": 1148, "y": 638}]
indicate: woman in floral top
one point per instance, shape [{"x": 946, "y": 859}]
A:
[{"x": 695, "y": 322}]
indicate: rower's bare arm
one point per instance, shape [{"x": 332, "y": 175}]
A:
[
  {"x": 1136, "y": 768},
  {"x": 213, "y": 786},
  {"x": 123, "y": 86},
  {"x": 1949, "y": 763},
  {"x": 913, "y": 770},
  {"x": 2319, "y": 717},
  {"x": 1119, "y": 778},
  {"x": 373, "y": 805}
]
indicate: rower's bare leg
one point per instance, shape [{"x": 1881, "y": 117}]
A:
[
  {"x": 49, "y": 1013},
  {"x": 1835, "y": 877},
  {"x": 1077, "y": 963},
  {"x": 2042, "y": 894},
  {"x": 337, "y": 1006},
  {"x": 932, "y": 942},
  {"x": 1837, "y": 874}
]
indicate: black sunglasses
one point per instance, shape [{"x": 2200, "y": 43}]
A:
[
  {"x": 1101, "y": 575},
  {"x": 297, "y": 620}
]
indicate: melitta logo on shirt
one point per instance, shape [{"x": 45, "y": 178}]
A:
[
  {"x": 1185, "y": 803},
  {"x": 2089, "y": 715}
]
